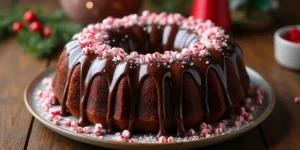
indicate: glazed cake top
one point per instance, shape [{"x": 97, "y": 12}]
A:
[{"x": 97, "y": 39}]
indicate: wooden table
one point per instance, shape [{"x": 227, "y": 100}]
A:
[{"x": 19, "y": 130}]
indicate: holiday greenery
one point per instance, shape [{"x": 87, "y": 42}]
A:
[{"x": 39, "y": 33}]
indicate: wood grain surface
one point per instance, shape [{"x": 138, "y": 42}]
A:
[{"x": 19, "y": 130}]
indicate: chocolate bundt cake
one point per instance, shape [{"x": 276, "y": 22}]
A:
[{"x": 154, "y": 73}]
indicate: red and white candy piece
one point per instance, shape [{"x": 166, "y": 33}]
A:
[
  {"x": 115, "y": 138},
  {"x": 148, "y": 58},
  {"x": 259, "y": 90},
  {"x": 222, "y": 124},
  {"x": 218, "y": 131},
  {"x": 74, "y": 125},
  {"x": 134, "y": 55},
  {"x": 131, "y": 141},
  {"x": 79, "y": 130},
  {"x": 54, "y": 111},
  {"x": 242, "y": 111},
  {"x": 191, "y": 132},
  {"x": 259, "y": 102},
  {"x": 297, "y": 100},
  {"x": 156, "y": 56},
  {"x": 204, "y": 132},
  {"x": 203, "y": 125},
  {"x": 56, "y": 122},
  {"x": 126, "y": 133},
  {"x": 39, "y": 93},
  {"x": 98, "y": 126},
  {"x": 162, "y": 139},
  {"x": 87, "y": 130},
  {"x": 240, "y": 118},
  {"x": 247, "y": 101},
  {"x": 248, "y": 117},
  {"x": 97, "y": 132},
  {"x": 121, "y": 54},
  {"x": 251, "y": 108},
  {"x": 121, "y": 138},
  {"x": 57, "y": 117},
  {"x": 67, "y": 122},
  {"x": 237, "y": 123},
  {"x": 50, "y": 117},
  {"x": 46, "y": 108},
  {"x": 171, "y": 139}
]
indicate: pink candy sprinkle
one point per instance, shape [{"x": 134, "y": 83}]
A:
[
  {"x": 79, "y": 130},
  {"x": 67, "y": 122},
  {"x": 162, "y": 139},
  {"x": 126, "y": 133},
  {"x": 218, "y": 131},
  {"x": 171, "y": 139},
  {"x": 297, "y": 100},
  {"x": 191, "y": 132}
]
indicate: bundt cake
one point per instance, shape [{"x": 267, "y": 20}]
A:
[{"x": 154, "y": 73}]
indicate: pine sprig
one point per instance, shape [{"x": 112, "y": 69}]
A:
[{"x": 35, "y": 43}]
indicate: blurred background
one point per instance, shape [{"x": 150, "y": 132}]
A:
[
  {"x": 281, "y": 11},
  {"x": 54, "y": 22}
]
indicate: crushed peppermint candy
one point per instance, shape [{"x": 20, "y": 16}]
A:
[
  {"x": 162, "y": 139},
  {"x": 218, "y": 131},
  {"x": 87, "y": 129},
  {"x": 126, "y": 133},
  {"x": 94, "y": 38},
  {"x": 171, "y": 139},
  {"x": 191, "y": 132},
  {"x": 245, "y": 115}
]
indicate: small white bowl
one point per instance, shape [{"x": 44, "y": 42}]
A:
[{"x": 287, "y": 53}]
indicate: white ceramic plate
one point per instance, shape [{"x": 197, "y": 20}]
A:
[{"x": 33, "y": 104}]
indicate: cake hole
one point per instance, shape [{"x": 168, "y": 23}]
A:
[{"x": 153, "y": 38}]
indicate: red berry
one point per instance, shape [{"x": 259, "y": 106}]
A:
[
  {"x": 17, "y": 26},
  {"x": 294, "y": 34},
  {"x": 29, "y": 16},
  {"x": 47, "y": 32},
  {"x": 36, "y": 26}
]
